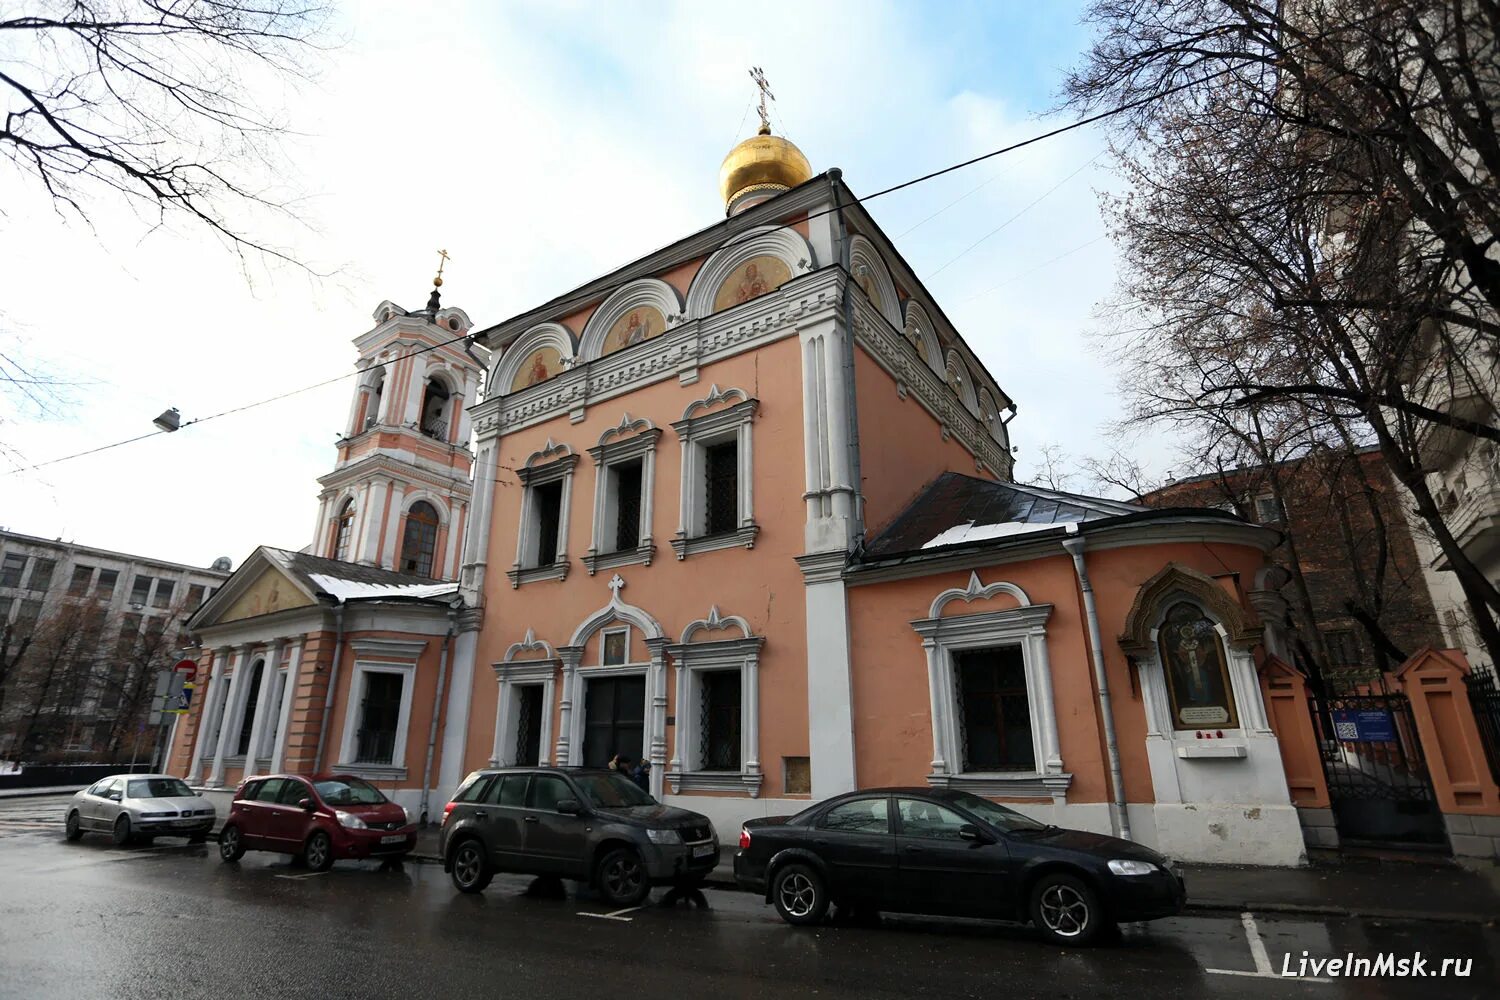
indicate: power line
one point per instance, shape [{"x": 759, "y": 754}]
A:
[
  {"x": 1029, "y": 271},
  {"x": 837, "y": 207},
  {"x": 1032, "y": 204},
  {"x": 239, "y": 409}
]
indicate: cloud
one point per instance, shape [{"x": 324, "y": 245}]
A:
[{"x": 541, "y": 144}]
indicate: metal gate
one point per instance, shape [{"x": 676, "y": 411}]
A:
[{"x": 1378, "y": 783}]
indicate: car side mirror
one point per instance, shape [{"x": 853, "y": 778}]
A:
[
  {"x": 305, "y": 803},
  {"x": 972, "y": 833},
  {"x": 569, "y": 807}
]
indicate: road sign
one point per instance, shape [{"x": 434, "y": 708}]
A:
[
  {"x": 189, "y": 667},
  {"x": 169, "y": 686},
  {"x": 184, "y": 700}
]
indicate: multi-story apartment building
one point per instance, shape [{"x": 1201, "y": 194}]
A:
[{"x": 81, "y": 626}]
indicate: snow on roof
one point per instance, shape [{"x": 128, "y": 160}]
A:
[
  {"x": 345, "y": 590},
  {"x": 970, "y": 532}
]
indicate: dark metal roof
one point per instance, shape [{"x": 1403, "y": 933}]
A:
[
  {"x": 954, "y": 500},
  {"x": 304, "y": 566}
]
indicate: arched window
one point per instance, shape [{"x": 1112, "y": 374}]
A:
[
  {"x": 247, "y": 719},
  {"x": 372, "y": 409},
  {"x": 343, "y": 531},
  {"x": 1192, "y": 657},
  {"x": 419, "y": 541},
  {"x": 435, "y": 409}
]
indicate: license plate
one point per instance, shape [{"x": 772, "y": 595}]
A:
[
  {"x": 185, "y": 822},
  {"x": 703, "y": 850},
  {"x": 398, "y": 838}
]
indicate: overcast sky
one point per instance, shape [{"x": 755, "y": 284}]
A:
[{"x": 541, "y": 145}]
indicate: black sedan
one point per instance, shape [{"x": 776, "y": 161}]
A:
[{"x": 939, "y": 851}]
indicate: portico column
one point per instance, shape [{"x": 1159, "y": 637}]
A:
[
  {"x": 571, "y": 656},
  {"x": 232, "y": 705},
  {"x": 288, "y": 695},
  {"x": 263, "y": 704},
  {"x": 208, "y": 712}
]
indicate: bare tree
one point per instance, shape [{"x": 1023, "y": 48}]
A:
[
  {"x": 1309, "y": 234},
  {"x": 156, "y": 102},
  {"x": 1052, "y": 468}
]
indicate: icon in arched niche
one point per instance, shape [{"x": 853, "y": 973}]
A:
[
  {"x": 752, "y": 279},
  {"x": 1192, "y": 654},
  {"x": 542, "y": 364},
  {"x": 637, "y": 325}
]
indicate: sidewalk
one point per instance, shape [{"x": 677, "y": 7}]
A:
[
  {"x": 1393, "y": 890},
  {"x": 22, "y": 793}
]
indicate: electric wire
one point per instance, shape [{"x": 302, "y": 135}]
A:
[{"x": 838, "y": 206}]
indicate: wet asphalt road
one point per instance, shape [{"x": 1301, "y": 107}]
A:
[{"x": 174, "y": 921}]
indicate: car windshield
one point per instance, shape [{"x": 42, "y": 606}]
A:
[
  {"x": 610, "y": 791},
  {"x": 348, "y": 792},
  {"x": 1003, "y": 819},
  {"x": 157, "y": 788}
]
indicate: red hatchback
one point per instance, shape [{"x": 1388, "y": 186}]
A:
[{"x": 319, "y": 819}]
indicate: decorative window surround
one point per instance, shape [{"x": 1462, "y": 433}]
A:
[
  {"x": 512, "y": 674},
  {"x": 554, "y": 463},
  {"x": 627, "y": 441},
  {"x": 569, "y": 750},
  {"x": 403, "y": 655},
  {"x": 690, "y": 660},
  {"x": 696, "y": 433},
  {"x": 1023, "y": 626}
]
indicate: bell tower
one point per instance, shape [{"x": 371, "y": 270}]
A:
[{"x": 398, "y": 496}]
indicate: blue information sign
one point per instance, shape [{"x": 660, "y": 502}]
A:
[{"x": 1364, "y": 725}]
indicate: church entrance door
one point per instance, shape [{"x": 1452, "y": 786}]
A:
[{"x": 614, "y": 720}]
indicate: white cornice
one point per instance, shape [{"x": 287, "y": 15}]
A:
[{"x": 677, "y": 353}]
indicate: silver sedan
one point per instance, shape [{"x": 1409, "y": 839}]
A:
[{"x": 131, "y": 806}]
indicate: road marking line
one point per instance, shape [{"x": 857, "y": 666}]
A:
[
  {"x": 303, "y": 875},
  {"x": 615, "y": 915},
  {"x": 1263, "y": 969}
]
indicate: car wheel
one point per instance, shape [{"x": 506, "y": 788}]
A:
[
  {"x": 318, "y": 851},
  {"x": 800, "y": 895},
  {"x": 471, "y": 869},
  {"x": 231, "y": 846},
  {"x": 122, "y": 831},
  {"x": 621, "y": 877},
  {"x": 71, "y": 829},
  {"x": 1067, "y": 910}
]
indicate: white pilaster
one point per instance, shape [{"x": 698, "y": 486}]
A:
[
  {"x": 209, "y": 714},
  {"x": 390, "y": 551},
  {"x": 456, "y": 713},
  {"x": 368, "y": 549},
  {"x": 233, "y": 704},
  {"x": 288, "y": 696}
]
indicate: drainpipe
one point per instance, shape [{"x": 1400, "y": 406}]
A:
[
  {"x": 1118, "y": 814},
  {"x": 333, "y": 683},
  {"x": 437, "y": 701}
]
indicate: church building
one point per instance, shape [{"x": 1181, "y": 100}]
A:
[{"x": 745, "y": 507}]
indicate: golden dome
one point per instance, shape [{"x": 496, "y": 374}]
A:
[{"x": 758, "y": 168}]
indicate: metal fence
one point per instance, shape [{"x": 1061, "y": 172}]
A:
[{"x": 1484, "y": 698}]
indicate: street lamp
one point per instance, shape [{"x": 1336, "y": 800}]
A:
[{"x": 169, "y": 421}]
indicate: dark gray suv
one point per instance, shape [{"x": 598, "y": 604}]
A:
[{"x": 592, "y": 825}]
